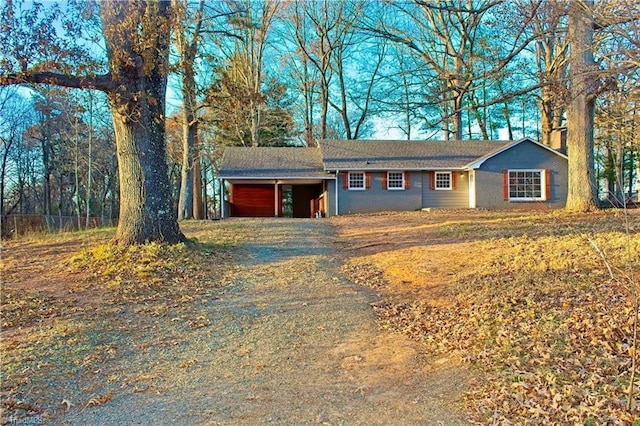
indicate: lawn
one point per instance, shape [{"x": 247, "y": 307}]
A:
[
  {"x": 542, "y": 305},
  {"x": 539, "y": 306}
]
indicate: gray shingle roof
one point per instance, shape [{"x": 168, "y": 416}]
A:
[
  {"x": 272, "y": 163},
  {"x": 332, "y": 155},
  {"x": 404, "y": 155}
]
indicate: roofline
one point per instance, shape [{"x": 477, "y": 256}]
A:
[
  {"x": 402, "y": 169},
  {"x": 477, "y": 163},
  {"x": 228, "y": 177}
]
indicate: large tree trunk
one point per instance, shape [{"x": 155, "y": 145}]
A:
[
  {"x": 138, "y": 107},
  {"x": 582, "y": 194},
  {"x": 146, "y": 210}
]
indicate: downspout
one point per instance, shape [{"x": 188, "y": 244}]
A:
[{"x": 337, "y": 176}]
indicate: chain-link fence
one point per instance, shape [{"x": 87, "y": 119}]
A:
[{"x": 21, "y": 224}]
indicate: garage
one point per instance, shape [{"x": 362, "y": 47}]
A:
[{"x": 274, "y": 182}]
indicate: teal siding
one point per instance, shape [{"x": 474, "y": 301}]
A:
[
  {"x": 525, "y": 155},
  {"x": 444, "y": 199}
]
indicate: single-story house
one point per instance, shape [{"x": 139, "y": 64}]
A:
[{"x": 356, "y": 176}]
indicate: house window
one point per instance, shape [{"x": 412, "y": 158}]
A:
[
  {"x": 443, "y": 181},
  {"x": 395, "y": 180},
  {"x": 526, "y": 185},
  {"x": 356, "y": 180}
]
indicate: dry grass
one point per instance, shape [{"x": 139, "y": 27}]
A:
[
  {"x": 67, "y": 298},
  {"x": 526, "y": 299},
  {"x": 522, "y": 298}
]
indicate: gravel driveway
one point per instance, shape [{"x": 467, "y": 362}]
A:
[{"x": 290, "y": 342}]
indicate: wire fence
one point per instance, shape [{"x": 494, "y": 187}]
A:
[{"x": 15, "y": 225}]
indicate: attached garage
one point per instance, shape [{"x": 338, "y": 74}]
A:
[
  {"x": 254, "y": 200},
  {"x": 274, "y": 182}
]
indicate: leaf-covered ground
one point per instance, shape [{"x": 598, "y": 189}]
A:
[
  {"x": 536, "y": 308},
  {"x": 73, "y": 303},
  {"x": 250, "y": 323},
  {"x": 542, "y": 304}
]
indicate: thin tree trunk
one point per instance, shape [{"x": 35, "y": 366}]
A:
[
  {"x": 198, "y": 207},
  {"x": 76, "y": 192},
  {"x": 90, "y": 165},
  {"x": 185, "y": 200},
  {"x": 457, "y": 118},
  {"x": 507, "y": 117}
]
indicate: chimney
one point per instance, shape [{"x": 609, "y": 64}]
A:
[{"x": 559, "y": 139}]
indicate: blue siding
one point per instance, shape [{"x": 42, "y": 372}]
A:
[
  {"x": 525, "y": 155},
  {"x": 446, "y": 199},
  {"x": 377, "y": 199},
  {"x": 330, "y": 197}
]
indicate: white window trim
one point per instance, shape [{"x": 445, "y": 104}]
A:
[
  {"x": 357, "y": 188},
  {"x": 435, "y": 181},
  {"x": 543, "y": 185},
  {"x": 401, "y": 188}
]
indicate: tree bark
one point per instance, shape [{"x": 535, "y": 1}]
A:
[
  {"x": 198, "y": 205},
  {"x": 138, "y": 64},
  {"x": 582, "y": 191},
  {"x": 189, "y": 201},
  {"x": 136, "y": 36}
]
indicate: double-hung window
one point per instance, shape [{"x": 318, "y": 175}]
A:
[
  {"x": 356, "y": 180},
  {"x": 526, "y": 185},
  {"x": 443, "y": 181},
  {"x": 395, "y": 181}
]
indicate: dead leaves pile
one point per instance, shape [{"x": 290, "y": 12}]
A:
[
  {"x": 545, "y": 321},
  {"x": 20, "y": 307},
  {"x": 153, "y": 271}
]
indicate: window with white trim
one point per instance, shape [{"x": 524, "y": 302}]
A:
[
  {"x": 356, "y": 180},
  {"x": 395, "y": 181},
  {"x": 526, "y": 185},
  {"x": 443, "y": 181}
]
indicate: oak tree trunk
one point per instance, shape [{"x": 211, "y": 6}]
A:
[
  {"x": 138, "y": 63},
  {"x": 582, "y": 194}
]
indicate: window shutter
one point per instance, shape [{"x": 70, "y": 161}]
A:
[
  {"x": 547, "y": 184},
  {"x": 432, "y": 181},
  {"x": 505, "y": 185},
  {"x": 454, "y": 181},
  {"x": 345, "y": 180},
  {"x": 367, "y": 176},
  {"x": 385, "y": 175},
  {"x": 407, "y": 180}
]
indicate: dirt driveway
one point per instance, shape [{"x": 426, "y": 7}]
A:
[{"x": 289, "y": 341}]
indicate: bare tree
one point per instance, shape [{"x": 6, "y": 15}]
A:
[
  {"x": 444, "y": 35},
  {"x": 551, "y": 53},
  {"x": 15, "y": 117},
  {"x": 136, "y": 36},
  {"x": 586, "y": 83},
  {"x": 321, "y": 31},
  {"x": 187, "y": 41}
]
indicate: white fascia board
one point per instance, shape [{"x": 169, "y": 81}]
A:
[
  {"x": 476, "y": 164},
  {"x": 400, "y": 169},
  {"x": 327, "y": 177}
]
